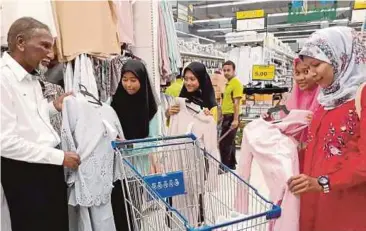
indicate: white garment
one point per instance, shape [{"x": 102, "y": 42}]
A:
[
  {"x": 88, "y": 129},
  {"x": 244, "y": 67},
  {"x": 5, "y": 215},
  {"x": 83, "y": 74},
  {"x": 26, "y": 132},
  {"x": 204, "y": 128},
  {"x": 15, "y": 9}
]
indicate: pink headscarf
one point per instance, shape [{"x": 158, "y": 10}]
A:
[{"x": 303, "y": 100}]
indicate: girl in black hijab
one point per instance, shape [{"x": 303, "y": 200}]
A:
[
  {"x": 134, "y": 101},
  {"x": 136, "y": 109},
  {"x": 198, "y": 89}
]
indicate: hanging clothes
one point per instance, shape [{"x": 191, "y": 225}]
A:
[
  {"x": 168, "y": 43},
  {"x": 95, "y": 33},
  {"x": 124, "y": 13},
  {"x": 164, "y": 63},
  {"x": 15, "y": 9},
  {"x": 90, "y": 186},
  {"x": 275, "y": 151},
  {"x": 82, "y": 73}
]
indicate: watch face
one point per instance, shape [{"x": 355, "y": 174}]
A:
[{"x": 323, "y": 180}]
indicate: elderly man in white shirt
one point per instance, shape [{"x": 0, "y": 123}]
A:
[{"x": 31, "y": 167}]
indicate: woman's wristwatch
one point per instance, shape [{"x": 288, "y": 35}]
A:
[{"x": 324, "y": 182}]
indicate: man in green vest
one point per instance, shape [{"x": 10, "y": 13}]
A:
[
  {"x": 175, "y": 88},
  {"x": 230, "y": 110}
]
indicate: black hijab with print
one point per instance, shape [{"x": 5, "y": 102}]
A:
[
  {"x": 205, "y": 94},
  {"x": 135, "y": 111}
]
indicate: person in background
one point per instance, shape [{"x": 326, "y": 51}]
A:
[
  {"x": 32, "y": 173},
  {"x": 303, "y": 97},
  {"x": 198, "y": 89},
  {"x": 218, "y": 81},
  {"x": 230, "y": 111},
  {"x": 138, "y": 111},
  {"x": 175, "y": 88},
  {"x": 333, "y": 184}
]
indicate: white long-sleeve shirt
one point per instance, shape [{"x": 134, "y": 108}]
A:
[{"x": 26, "y": 132}]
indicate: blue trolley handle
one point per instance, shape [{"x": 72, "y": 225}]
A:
[{"x": 116, "y": 144}]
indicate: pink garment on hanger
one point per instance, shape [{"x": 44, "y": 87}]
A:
[
  {"x": 164, "y": 63},
  {"x": 125, "y": 21},
  {"x": 275, "y": 151}
]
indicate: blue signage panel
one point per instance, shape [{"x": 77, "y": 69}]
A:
[
  {"x": 167, "y": 185},
  {"x": 297, "y": 3}
]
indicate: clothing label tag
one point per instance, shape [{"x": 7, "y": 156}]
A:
[{"x": 166, "y": 185}]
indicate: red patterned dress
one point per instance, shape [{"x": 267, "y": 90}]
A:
[{"x": 337, "y": 148}]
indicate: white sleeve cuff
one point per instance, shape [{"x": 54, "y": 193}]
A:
[{"x": 56, "y": 157}]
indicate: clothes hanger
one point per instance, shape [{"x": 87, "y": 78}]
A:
[
  {"x": 191, "y": 108},
  {"x": 84, "y": 91},
  {"x": 278, "y": 108}
]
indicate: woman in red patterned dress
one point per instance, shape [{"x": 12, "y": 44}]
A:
[{"x": 333, "y": 184}]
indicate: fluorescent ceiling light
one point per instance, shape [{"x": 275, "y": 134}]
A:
[
  {"x": 196, "y": 36},
  {"x": 215, "y": 29},
  {"x": 243, "y": 2},
  {"x": 212, "y": 20}
]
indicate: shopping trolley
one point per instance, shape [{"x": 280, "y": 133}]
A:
[{"x": 171, "y": 183}]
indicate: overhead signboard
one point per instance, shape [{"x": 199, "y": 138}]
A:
[
  {"x": 359, "y": 4},
  {"x": 185, "y": 13},
  {"x": 249, "y": 14},
  {"x": 305, "y": 11},
  {"x": 263, "y": 72}
]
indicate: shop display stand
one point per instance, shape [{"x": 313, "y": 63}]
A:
[{"x": 205, "y": 53}]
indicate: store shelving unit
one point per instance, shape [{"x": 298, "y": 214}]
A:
[{"x": 203, "y": 56}]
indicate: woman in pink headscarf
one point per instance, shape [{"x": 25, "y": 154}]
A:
[
  {"x": 303, "y": 97},
  {"x": 304, "y": 93}
]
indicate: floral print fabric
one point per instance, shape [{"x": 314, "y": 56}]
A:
[{"x": 343, "y": 48}]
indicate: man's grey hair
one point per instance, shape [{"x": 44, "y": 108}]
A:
[{"x": 24, "y": 26}]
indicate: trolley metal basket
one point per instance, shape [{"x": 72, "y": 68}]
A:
[{"x": 171, "y": 183}]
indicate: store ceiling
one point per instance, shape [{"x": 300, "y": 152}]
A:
[{"x": 220, "y": 15}]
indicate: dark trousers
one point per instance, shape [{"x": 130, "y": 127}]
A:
[
  {"x": 121, "y": 218},
  {"x": 227, "y": 145},
  {"x": 36, "y": 195}
]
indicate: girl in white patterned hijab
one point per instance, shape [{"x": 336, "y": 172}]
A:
[{"x": 337, "y": 60}]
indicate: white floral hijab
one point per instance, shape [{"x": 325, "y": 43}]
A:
[{"x": 343, "y": 48}]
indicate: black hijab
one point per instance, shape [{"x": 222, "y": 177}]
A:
[
  {"x": 135, "y": 111},
  {"x": 205, "y": 94}
]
